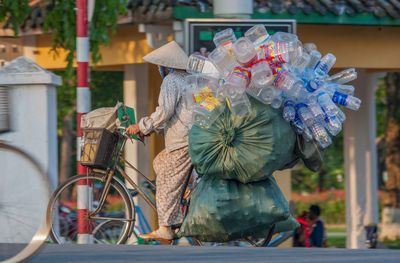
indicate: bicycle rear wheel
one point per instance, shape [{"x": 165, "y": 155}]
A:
[
  {"x": 24, "y": 194},
  {"x": 118, "y": 208}
]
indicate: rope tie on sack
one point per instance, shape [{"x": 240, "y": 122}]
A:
[{"x": 228, "y": 137}]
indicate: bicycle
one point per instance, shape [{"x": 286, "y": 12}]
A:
[
  {"x": 108, "y": 148},
  {"x": 22, "y": 218}
]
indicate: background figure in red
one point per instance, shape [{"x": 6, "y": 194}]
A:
[{"x": 302, "y": 234}]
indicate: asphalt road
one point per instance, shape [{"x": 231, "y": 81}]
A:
[{"x": 126, "y": 253}]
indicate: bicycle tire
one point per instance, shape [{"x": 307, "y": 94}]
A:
[
  {"x": 116, "y": 184},
  {"x": 36, "y": 228}
]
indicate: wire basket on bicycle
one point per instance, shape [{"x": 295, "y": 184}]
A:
[{"x": 100, "y": 134}]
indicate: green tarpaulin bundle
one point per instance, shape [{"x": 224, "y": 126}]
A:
[
  {"x": 223, "y": 210},
  {"x": 248, "y": 149}
]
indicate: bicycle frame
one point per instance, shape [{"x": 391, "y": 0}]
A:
[{"x": 109, "y": 173}]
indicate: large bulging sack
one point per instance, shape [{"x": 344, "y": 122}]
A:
[
  {"x": 247, "y": 149},
  {"x": 224, "y": 210}
]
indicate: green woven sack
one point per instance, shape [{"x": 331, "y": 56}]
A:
[
  {"x": 247, "y": 149},
  {"x": 224, "y": 210}
]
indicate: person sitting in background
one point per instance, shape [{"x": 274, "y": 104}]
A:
[
  {"x": 317, "y": 231},
  {"x": 302, "y": 233}
]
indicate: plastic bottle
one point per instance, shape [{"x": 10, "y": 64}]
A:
[
  {"x": 277, "y": 52},
  {"x": 264, "y": 95},
  {"x": 332, "y": 124},
  {"x": 343, "y": 77},
  {"x": 277, "y": 98},
  {"x": 299, "y": 63},
  {"x": 315, "y": 56},
  {"x": 198, "y": 88},
  {"x": 309, "y": 47},
  {"x": 234, "y": 89},
  {"x": 225, "y": 38},
  {"x": 259, "y": 36},
  {"x": 207, "y": 112},
  {"x": 301, "y": 129},
  {"x": 305, "y": 114},
  {"x": 261, "y": 74},
  {"x": 245, "y": 52},
  {"x": 320, "y": 135},
  {"x": 341, "y": 116},
  {"x": 200, "y": 64},
  {"x": 332, "y": 87},
  {"x": 284, "y": 37},
  {"x": 326, "y": 103},
  {"x": 223, "y": 60},
  {"x": 345, "y": 100},
  {"x": 289, "y": 112},
  {"x": 288, "y": 83},
  {"x": 316, "y": 111},
  {"x": 324, "y": 65}
]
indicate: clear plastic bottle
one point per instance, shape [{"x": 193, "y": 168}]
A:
[
  {"x": 315, "y": 56},
  {"x": 324, "y": 65},
  {"x": 200, "y": 64},
  {"x": 261, "y": 74},
  {"x": 245, "y": 52},
  {"x": 309, "y": 47},
  {"x": 277, "y": 52},
  {"x": 198, "y": 88},
  {"x": 234, "y": 89},
  {"x": 345, "y": 100},
  {"x": 288, "y": 83},
  {"x": 316, "y": 110},
  {"x": 326, "y": 103},
  {"x": 298, "y": 125},
  {"x": 259, "y": 36},
  {"x": 341, "y": 116},
  {"x": 289, "y": 112},
  {"x": 332, "y": 87},
  {"x": 205, "y": 113},
  {"x": 305, "y": 114},
  {"x": 299, "y": 64},
  {"x": 225, "y": 38},
  {"x": 343, "y": 77},
  {"x": 320, "y": 135},
  {"x": 284, "y": 37},
  {"x": 223, "y": 60},
  {"x": 277, "y": 98},
  {"x": 332, "y": 124},
  {"x": 264, "y": 95}
]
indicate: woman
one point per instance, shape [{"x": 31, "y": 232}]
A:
[{"x": 173, "y": 164}]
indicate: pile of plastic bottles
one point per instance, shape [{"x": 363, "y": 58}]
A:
[{"x": 276, "y": 70}]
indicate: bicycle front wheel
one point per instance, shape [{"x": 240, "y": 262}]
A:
[
  {"x": 118, "y": 208},
  {"x": 24, "y": 194}
]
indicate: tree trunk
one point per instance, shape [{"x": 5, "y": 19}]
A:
[
  {"x": 391, "y": 211},
  {"x": 392, "y": 140},
  {"x": 321, "y": 179},
  {"x": 65, "y": 152}
]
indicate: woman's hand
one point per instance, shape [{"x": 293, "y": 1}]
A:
[{"x": 133, "y": 129}]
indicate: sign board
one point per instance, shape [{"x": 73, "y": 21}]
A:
[{"x": 199, "y": 33}]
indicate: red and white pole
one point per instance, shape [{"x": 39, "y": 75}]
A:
[{"x": 83, "y": 106}]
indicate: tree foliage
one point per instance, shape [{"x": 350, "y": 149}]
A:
[{"x": 13, "y": 13}]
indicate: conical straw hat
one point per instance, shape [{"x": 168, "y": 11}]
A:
[{"x": 170, "y": 55}]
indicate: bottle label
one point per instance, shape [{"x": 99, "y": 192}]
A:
[
  {"x": 228, "y": 46},
  {"x": 273, "y": 53},
  {"x": 200, "y": 95},
  {"x": 279, "y": 74},
  {"x": 340, "y": 98},
  {"x": 262, "y": 44},
  {"x": 251, "y": 62},
  {"x": 210, "y": 103},
  {"x": 243, "y": 73},
  {"x": 299, "y": 106}
]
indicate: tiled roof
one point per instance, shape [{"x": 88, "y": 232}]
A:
[{"x": 379, "y": 12}]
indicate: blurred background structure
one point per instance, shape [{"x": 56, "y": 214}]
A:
[{"x": 362, "y": 34}]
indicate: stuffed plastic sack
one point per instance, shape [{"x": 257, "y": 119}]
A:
[
  {"x": 224, "y": 210},
  {"x": 247, "y": 149}
]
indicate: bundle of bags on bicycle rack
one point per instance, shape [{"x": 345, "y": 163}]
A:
[{"x": 260, "y": 103}]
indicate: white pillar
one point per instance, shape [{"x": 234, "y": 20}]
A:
[
  {"x": 33, "y": 112},
  {"x": 136, "y": 95},
  {"x": 361, "y": 162}
]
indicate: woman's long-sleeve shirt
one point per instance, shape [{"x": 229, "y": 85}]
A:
[{"x": 171, "y": 114}]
